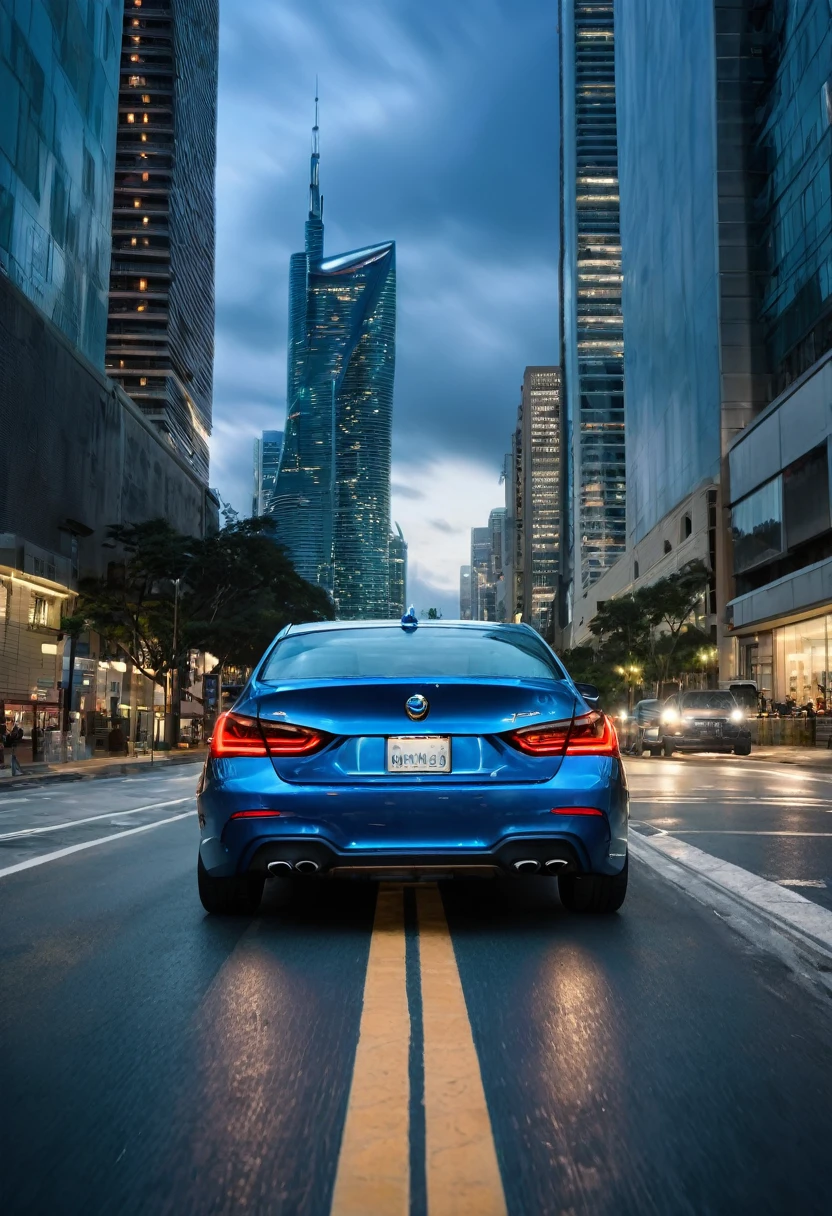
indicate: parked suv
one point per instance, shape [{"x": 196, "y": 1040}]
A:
[{"x": 700, "y": 721}]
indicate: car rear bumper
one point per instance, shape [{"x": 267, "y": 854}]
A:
[{"x": 404, "y": 827}]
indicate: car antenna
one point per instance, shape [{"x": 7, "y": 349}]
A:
[{"x": 410, "y": 620}]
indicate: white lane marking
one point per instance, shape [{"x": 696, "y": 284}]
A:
[
  {"x": 72, "y": 823},
  {"x": 88, "y": 844},
  {"x": 809, "y": 804},
  {"x": 732, "y": 832},
  {"x": 801, "y": 882}
]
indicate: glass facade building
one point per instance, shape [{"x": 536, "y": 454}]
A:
[
  {"x": 59, "y": 71},
  {"x": 267, "y": 450},
  {"x": 541, "y": 478},
  {"x": 592, "y": 328},
  {"x": 793, "y": 206},
  {"x": 398, "y": 574},
  {"x": 160, "y": 334},
  {"x": 332, "y": 501}
]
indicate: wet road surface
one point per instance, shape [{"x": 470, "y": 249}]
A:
[{"x": 468, "y": 1048}]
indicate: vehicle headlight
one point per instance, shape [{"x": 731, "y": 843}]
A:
[
  {"x": 737, "y": 715},
  {"x": 670, "y": 715},
  {"x": 623, "y": 715}
]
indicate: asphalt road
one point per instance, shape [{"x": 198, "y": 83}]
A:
[
  {"x": 477, "y": 1046},
  {"x": 772, "y": 819}
]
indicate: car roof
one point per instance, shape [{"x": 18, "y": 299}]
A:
[{"x": 323, "y": 626}]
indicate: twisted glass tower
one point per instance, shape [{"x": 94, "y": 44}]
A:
[{"x": 331, "y": 503}]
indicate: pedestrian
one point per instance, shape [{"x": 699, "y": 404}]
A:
[{"x": 14, "y": 737}]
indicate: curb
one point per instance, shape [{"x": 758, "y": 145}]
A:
[
  {"x": 794, "y": 928},
  {"x": 126, "y": 769}
]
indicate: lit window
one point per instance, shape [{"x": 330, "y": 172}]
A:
[
  {"x": 145, "y": 219},
  {"x": 145, "y": 241},
  {"x": 132, "y": 240},
  {"x": 121, "y": 363},
  {"x": 145, "y": 177},
  {"x": 137, "y": 3},
  {"x": 134, "y": 59},
  {"x": 142, "y": 284},
  {"x": 136, "y": 22},
  {"x": 142, "y": 380},
  {"x": 146, "y": 98},
  {"x": 141, "y": 308},
  {"x": 144, "y": 139},
  {"x": 136, "y": 39},
  {"x": 131, "y": 117},
  {"x": 137, "y": 202},
  {"x": 145, "y": 119}
]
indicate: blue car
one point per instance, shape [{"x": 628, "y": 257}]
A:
[{"x": 412, "y": 751}]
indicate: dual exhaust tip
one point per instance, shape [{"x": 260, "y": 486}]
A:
[
  {"x": 526, "y": 865},
  {"x": 530, "y": 865},
  {"x": 305, "y": 866}
]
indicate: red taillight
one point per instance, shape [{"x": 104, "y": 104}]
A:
[
  {"x": 237, "y": 735},
  {"x": 570, "y": 810},
  {"x": 593, "y": 734},
  {"x": 255, "y": 814}
]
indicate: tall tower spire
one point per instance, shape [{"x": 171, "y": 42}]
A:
[
  {"x": 314, "y": 184},
  {"x": 315, "y": 224}
]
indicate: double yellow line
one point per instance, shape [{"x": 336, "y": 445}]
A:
[{"x": 462, "y": 1177}]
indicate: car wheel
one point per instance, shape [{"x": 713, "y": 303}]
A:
[
  {"x": 667, "y": 747},
  {"x": 742, "y": 749},
  {"x": 593, "y": 892},
  {"x": 237, "y": 896}
]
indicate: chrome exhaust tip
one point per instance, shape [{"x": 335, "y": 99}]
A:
[
  {"x": 527, "y": 866},
  {"x": 555, "y": 863},
  {"x": 307, "y": 866},
  {"x": 279, "y": 867}
]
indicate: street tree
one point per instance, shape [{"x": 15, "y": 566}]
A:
[{"x": 167, "y": 594}]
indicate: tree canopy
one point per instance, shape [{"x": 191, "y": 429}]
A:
[
  {"x": 167, "y": 594},
  {"x": 649, "y": 637}
]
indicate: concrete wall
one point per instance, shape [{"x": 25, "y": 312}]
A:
[
  {"x": 74, "y": 450},
  {"x": 653, "y": 562}
]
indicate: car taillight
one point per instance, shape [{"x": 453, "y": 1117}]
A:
[
  {"x": 593, "y": 734},
  {"x": 238, "y": 735}
]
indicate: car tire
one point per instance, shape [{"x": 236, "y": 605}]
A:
[
  {"x": 597, "y": 893},
  {"x": 237, "y": 896},
  {"x": 667, "y": 748},
  {"x": 742, "y": 749}
]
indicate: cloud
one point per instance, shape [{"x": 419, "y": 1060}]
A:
[
  {"x": 404, "y": 491},
  {"x": 438, "y": 130},
  {"x": 442, "y": 525}
]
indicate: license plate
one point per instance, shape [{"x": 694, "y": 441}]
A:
[{"x": 419, "y": 754}]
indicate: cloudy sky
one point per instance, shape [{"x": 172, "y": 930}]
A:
[{"x": 438, "y": 130}]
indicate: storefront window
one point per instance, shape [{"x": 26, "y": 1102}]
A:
[
  {"x": 801, "y": 661},
  {"x": 757, "y": 526}
]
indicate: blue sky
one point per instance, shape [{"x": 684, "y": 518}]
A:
[{"x": 438, "y": 130}]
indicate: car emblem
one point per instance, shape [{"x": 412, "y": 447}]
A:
[{"x": 416, "y": 707}]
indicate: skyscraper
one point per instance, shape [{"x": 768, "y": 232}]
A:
[
  {"x": 398, "y": 573},
  {"x": 465, "y": 593},
  {"x": 482, "y": 585},
  {"x": 332, "y": 500},
  {"x": 160, "y": 336},
  {"x": 267, "y": 451},
  {"x": 58, "y": 88},
  {"x": 540, "y": 414},
  {"x": 592, "y": 336}
]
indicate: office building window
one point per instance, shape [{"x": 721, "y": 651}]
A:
[{"x": 757, "y": 526}]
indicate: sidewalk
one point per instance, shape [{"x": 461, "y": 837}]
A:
[
  {"x": 805, "y": 757},
  {"x": 87, "y": 770}
]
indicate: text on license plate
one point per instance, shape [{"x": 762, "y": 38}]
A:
[{"x": 419, "y": 754}]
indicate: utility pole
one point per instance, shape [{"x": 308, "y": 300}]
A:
[{"x": 174, "y": 684}]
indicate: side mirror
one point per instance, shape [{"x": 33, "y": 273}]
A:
[{"x": 589, "y": 693}]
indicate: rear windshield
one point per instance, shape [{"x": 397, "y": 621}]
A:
[
  {"x": 708, "y": 700},
  {"x": 393, "y": 653}
]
